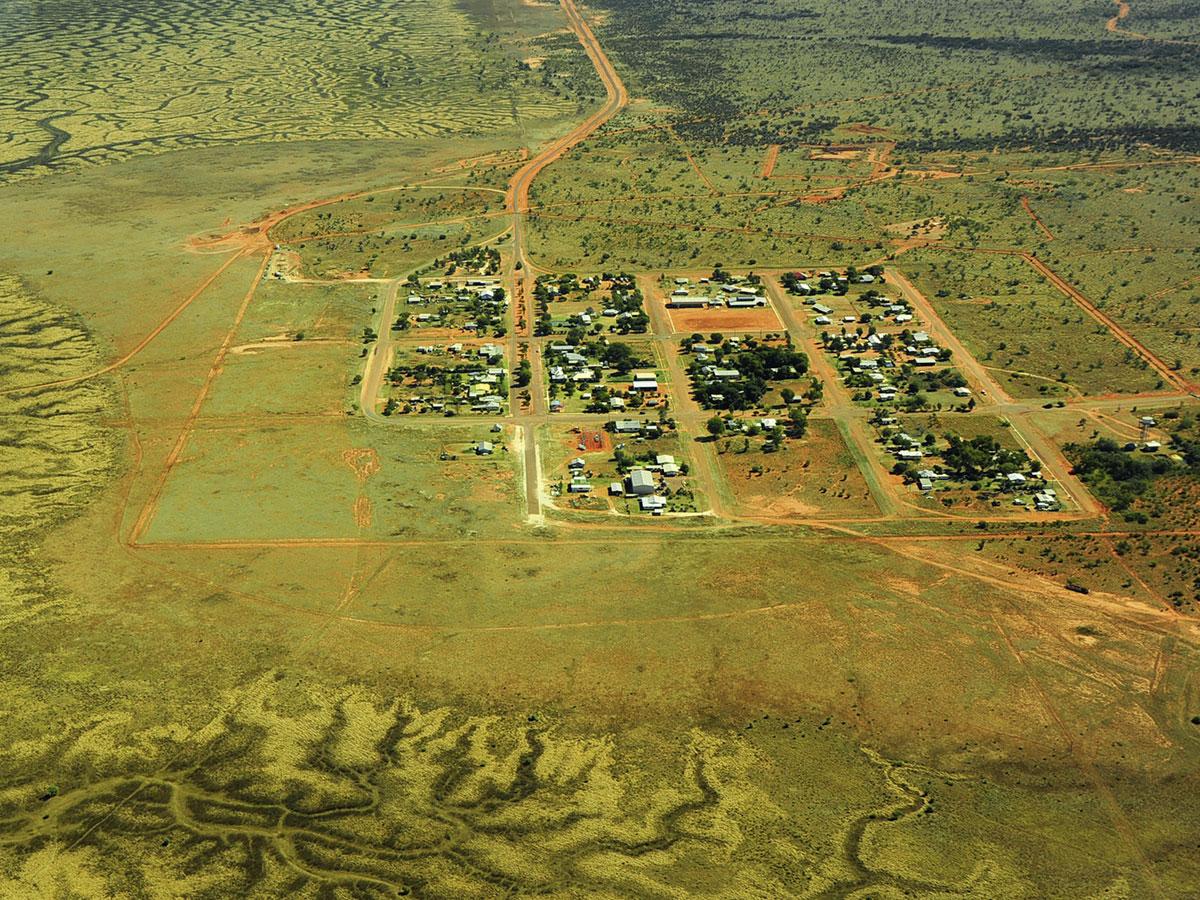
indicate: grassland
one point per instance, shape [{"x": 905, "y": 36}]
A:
[
  {"x": 89, "y": 85},
  {"x": 259, "y": 640},
  {"x": 811, "y": 478},
  {"x": 391, "y": 233},
  {"x": 1035, "y": 341}
]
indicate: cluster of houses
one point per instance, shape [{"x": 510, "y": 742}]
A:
[
  {"x": 736, "y": 374},
  {"x": 882, "y": 361},
  {"x": 475, "y": 376},
  {"x": 472, "y": 304},
  {"x": 1008, "y": 471},
  {"x": 620, "y": 308},
  {"x": 570, "y": 369},
  {"x": 478, "y": 260},
  {"x": 636, "y": 428},
  {"x": 646, "y": 483},
  {"x": 1044, "y": 498},
  {"x": 736, "y": 293},
  {"x": 802, "y": 283}
]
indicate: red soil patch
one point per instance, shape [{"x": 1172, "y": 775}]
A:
[
  {"x": 363, "y": 460},
  {"x": 724, "y": 320},
  {"x": 362, "y": 512},
  {"x": 596, "y": 440},
  {"x": 769, "y": 161},
  {"x": 862, "y": 128}
]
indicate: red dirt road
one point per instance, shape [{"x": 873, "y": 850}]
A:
[
  {"x": 1168, "y": 374},
  {"x": 1040, "y": 224},
  {"x": 772, "y": 157}
]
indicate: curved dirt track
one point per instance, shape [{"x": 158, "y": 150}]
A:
[
  {"x": 1113, "y": 26},
  {"x": 518, "y": 205},
  {"x": 518, "y": 187}
]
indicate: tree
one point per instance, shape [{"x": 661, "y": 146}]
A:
[
  {"x": 524, "y": 373},
  {"x": 798, "y": 424},
  {"x": 716, "y": 426},
  {"x": 619, "y": 356}
]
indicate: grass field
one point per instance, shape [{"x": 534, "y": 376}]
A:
[
  {"x": 810, "y": 478},
  {"x": 336, "y": 480}
]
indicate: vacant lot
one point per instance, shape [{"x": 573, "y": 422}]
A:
[
  {"x": 392, "y": 232},
  {"x": 1034, "y": 340},
  {"x": 335, "y": 481},
  {"x": 815, "y": 477}
]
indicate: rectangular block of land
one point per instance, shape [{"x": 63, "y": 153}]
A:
[
  {"x": 338, "y": 481},
  {"x": 813, "y": 477}
]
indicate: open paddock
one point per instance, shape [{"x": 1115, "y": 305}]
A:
[
  {"x": 814, "y": 477},
  {"x": 336, "y": 481}
]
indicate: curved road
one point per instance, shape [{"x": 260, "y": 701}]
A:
[
  {"x": 520, "y": 344},
  {"x": 617, "y": 99}
]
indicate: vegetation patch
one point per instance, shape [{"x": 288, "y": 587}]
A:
[{"x": 1146, "y": 481}]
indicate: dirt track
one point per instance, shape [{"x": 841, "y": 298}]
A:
[
  {"x": 617, "y": 99},
  {"x": 1040, "y": 224},
  {"x": 141, "y": 345},
  {"x": 147, "y": 513},
  {"x": 1168, "y": 374},
  {"x": 518, "y": 205}
]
